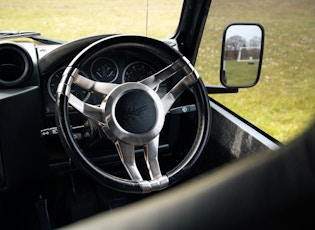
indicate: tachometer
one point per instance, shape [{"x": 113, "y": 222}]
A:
[
  {"x": 54, "y": 80},
  {"x": 104, "y": 70},
  {"x": 137, "y": 71}
]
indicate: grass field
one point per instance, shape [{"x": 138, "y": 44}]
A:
[
  {"x": 72, "y": 19},
  {"x": 283, "y": 102},
  {"x": 240, "y": 72}
]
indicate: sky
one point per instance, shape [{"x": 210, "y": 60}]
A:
[{"x": 246, "y": 31}]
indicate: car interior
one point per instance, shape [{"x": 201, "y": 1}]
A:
[{"x": 118, "y": 131}]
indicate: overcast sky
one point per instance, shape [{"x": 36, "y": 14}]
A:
[{"x": 246, "y": 31}]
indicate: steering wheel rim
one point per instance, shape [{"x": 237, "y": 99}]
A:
[{"x": 109, "y": 115}]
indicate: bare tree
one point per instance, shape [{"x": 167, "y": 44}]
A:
[
  {"x": 255, "y": 41},
  {"x": 235, "y": 43}
]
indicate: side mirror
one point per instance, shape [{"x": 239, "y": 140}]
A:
[{"x": 241, "y": 57}]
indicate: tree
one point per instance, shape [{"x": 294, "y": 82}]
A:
[
  {"x": 235, "y": 43},
  {"x": 255, "y": 41}
]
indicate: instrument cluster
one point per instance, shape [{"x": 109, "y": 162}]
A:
[{"x": 117, "y": 68}]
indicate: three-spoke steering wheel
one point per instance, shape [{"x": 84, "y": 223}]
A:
[{"x": 132, "y": 114}]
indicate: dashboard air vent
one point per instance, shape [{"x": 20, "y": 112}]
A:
[{"x": 15, "y": 64}]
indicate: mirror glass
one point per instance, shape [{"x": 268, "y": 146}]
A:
[{"x": 241, "y": 58}]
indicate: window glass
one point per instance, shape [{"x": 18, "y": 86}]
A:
[
  {"x": 283, "y": 102},
  {"x": 72, "y": 19}
]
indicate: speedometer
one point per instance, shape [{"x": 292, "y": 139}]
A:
[
  {"x": 53, "y": 83},
  {"x": 137, "y": 71},
  {"x": 104, "y": 70}
]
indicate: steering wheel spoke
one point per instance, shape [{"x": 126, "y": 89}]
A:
[
  {"x": 156, "y": 79},
  {"x": 91, "y": 111},
  {"x": 102, "y": 88},
  {"x": 170, "y": 97},
  {"x": 127, "y": 156},
  {"x": 151, "y": 157}
]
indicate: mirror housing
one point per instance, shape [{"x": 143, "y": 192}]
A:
[{"x": 241, "y": 55}]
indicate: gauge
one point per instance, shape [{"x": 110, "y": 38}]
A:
[
  {"x": 137, "y": 71},
  {"x": 54, "y": 80},
  {"x": 104, "y": 70}
]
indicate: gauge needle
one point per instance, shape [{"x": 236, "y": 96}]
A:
[{"x": 104, "y": 71}]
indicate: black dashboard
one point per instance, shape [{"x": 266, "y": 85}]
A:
[
  {"x": 121, "y": 66},
  {"x": 41, "y": 68},
  {"x": 116, "y": 67}
]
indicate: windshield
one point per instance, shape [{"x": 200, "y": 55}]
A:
[{"x": 73, "y": 19}]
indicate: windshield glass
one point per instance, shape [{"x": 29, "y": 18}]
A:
[{"x": 73, "y": 19}]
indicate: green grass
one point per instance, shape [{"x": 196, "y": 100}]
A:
[
  {"x": 72, "y": 19},
  {"x": 240, "y": 73},
  {"x": 283, "y": 102}
]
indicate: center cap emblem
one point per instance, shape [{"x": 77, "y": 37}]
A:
[
  {"x": 136, "y": 112},
  {"x": 132, "y": 111}
]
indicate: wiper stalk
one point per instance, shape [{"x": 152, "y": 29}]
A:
[
  {"x": 6, "y": 34},
  {"x": 48, "y": 41}
]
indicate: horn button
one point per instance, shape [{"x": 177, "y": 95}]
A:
[{"x": 133, "y": 113}]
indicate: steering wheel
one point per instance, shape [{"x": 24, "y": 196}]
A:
[{"x": 132, "y": 114}]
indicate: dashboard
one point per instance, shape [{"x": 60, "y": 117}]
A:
[
  {"x": 119, "y": 67},
  {"x": 44, "y": 66}
]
